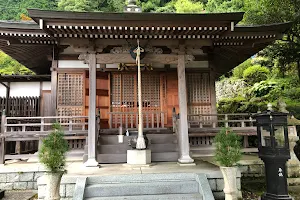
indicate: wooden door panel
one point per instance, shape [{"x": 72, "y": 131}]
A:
[
  {"x": 102, "y": 96},
  {"x": 172, "y": 96}
]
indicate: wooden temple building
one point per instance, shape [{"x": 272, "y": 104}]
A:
[{"x": 94, "y": 78}]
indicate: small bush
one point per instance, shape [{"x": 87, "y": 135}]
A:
[
  {"x": 230, "y": 105},
  {"x": 239, "y": 70},
  {"x": 228, "y": 148},
  {"x": 255, "y": 74},
  {"x": 52, "y": 152}
]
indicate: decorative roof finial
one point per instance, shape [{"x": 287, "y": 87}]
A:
[{"x": 132, "y": 7}]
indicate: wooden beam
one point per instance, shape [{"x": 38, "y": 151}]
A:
[
  {"x": 119, "y": 42},
  {"x": 126, "y": 58}
]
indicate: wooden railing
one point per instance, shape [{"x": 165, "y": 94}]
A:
[
  {"x": 203, "y": 127},
  {"x": 220, "y": 120},
  {"x": 34, "y": 129},
  {"x": 21, "y": 106},
  {"x": 129, "y": 120}
]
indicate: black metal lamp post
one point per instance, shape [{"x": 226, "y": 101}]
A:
[{"x": 273, "y": 149}]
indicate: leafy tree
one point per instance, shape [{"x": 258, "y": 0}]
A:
[
  {"x": 12, "y": 9},
  {"x": 238, "y": 71},
  {"x": 224, "y": 5},
  {"x": 188, "y": 6},
  {"x": 92, "y": 5},
  {"x": 286, "y": 51},
  {"x": 256, "y": 73},
  {"x": 75, "y": 5},
  {"x": 10, "y": 66}
]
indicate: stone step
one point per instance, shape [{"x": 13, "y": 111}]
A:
[
  {"x": 122, "y": 158},
  {"x": 152, "y": 188},
  {"x": 115, "y": 131},
  {"x": 202, "y": 151},
  {"x": 123, "y": 147},
  {"x": 141, "y": 178},
  {"x": 153, "y": 197},
  {"x": 154, "y": 139}
]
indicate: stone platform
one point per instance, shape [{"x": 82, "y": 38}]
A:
[{"x": 23, "y": 175}]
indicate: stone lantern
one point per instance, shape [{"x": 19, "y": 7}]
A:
[{"x": 273, "y": 149}]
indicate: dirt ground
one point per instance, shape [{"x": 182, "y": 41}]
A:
[{"x": 253, "y": 188}]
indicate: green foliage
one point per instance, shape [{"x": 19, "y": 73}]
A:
[
  {"x": 75, "y": 5},
  {"x": 255, "y": 73},
  {"x": 230, "y": 105},
  {"x": 238, "y": 71},
  {"x": 263, "y": 88},
  {"x": 92, "y": 5},
  {"x": 225, "y": 5},
  {"x": 188, "y": 6},
  {"x": 228, "y": 148},
  {"x": 54, "y": 147},
  {"x": 151, "y": 5},
  {"x": 12, "y": 9},
  {"x": 10, "y": 66}
]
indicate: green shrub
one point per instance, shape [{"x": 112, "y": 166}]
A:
[
  {"x": 228, "y": 148},
  {"x": 293, "y": 93},
  {"x": 264, "y": 88},
  {"x": 255, "y": 74},
  {"x": 293, "y": 107},
  {"x": 230, "y": 105},
  {"x": 53, "y": 150},
  {"x": 239, "y": 70}
]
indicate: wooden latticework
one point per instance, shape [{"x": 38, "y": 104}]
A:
[
  {"x": 151, "y": 92},
  {"x": 198, "y": 86},
  {"x": 70, "y": 94},
  {"x": 124, "y": 95}
]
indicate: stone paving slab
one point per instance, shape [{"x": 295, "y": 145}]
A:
[{"x": 77, "y": 168}]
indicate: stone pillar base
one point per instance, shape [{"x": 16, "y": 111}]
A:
[
  {"x": 91, "y": 162},
  {"x": 185, "y": 159},
  {"x": 139, "y": 157}
]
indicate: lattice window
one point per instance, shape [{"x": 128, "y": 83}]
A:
[
  {"x": 70, "y": 94},
  {"x": 151, "y": 92},
  {"x": 198, "y": 87},
  {"x": 116, "y": 91},
  {"x": 70, "y": 90}
]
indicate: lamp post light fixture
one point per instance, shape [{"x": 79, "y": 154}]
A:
[{"x": 273, "y": 150}]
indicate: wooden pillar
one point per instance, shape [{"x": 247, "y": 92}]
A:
[
  {"x": 54, "y": 87},
  {"x": 7, "y": 108},
  {"x": 183, "y": 137},
  {"x": 213, "y": 99},
  {"x": 92, "y": 134},
  {"x": 2, "y": 139}
]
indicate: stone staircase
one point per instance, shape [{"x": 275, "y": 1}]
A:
[
  {"x": 173, "y": 186},
  {"x": 163, "y": 148}
]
